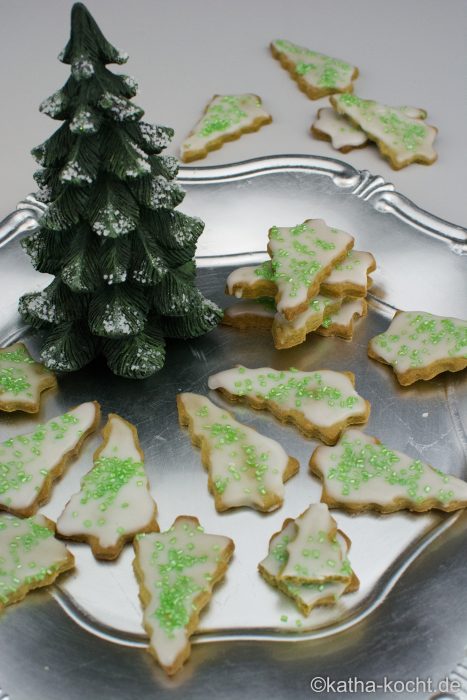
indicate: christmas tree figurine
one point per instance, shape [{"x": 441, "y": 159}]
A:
[{"x": 121, "y": 256}]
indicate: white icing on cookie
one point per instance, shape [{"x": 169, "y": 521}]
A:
[
  {"x": 402, "y": 138},
  {"x": 317, "y": 70},
  {"x": 311, "y": 318},
  {"x": 341, "y": 132},
  {"x": 301, "y": 257},
  {"x": 324, "y": 398},
  {"x": 350, "y": 275},
  {"x": 224, "y": 116},
  {"x": 307, "y": 595},
  {"x": 417, "y": 339},
  {"x": 245, "y": 467},
  {"x": 114, "y": 501},
  {"x": 315, "y": 555},
  {"x": 342, "y": 322},
  {"x": 363, "y": 473},
  {"x": 22, "y": 379},
  {"x": 30, "y": 556},
  {"x": 28, "y": 461},
  {"x": 247, "y": 277},
  {"x": 177, "y": 570}
]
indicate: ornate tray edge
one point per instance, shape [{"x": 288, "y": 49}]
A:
[{"x": 361, "y": 183}]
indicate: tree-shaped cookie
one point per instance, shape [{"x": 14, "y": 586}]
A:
[
  {"x": 30, "y": 463},
  {"x": 30, "y": 556},
  {"x": 176, "y": 572},
  {"x": 399, "y": 132},
  {"x": 360, "y": 473},
  {"x": 114, "y": 502},
  {"x": 245, "y": 468},
  {"x": 306, "y": 595},
  {"x": 121, "y": 256},
  {"x": 320, "y": 403},
  {"x": 225, "y": 118},
  {"x": 317, "y": 75},
  {"x": 22, "y": 380}
]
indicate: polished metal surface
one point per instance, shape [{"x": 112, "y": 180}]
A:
[{"x": 88, "y": 638}]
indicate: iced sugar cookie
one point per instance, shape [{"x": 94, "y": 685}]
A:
[
  {"x": 321, "y": 403},
  {"x": 245, "y": 468},
  {"x": 349, "y": 277},
  {"x": 306, "y": 595},
  {"x": 360, "y": 473},
  {"x": 22, "y": 380},
  {"x": 252, "y": 282},
  {"x": 420, "y": 345},
  {"x": 301, "y": 258},
  {"x": 287, "y": 334},
  {"x": 226, "y": 118},
  {"x": 114, "y": 502},
  {"x": 315, "y": 555},
  {"x": 30, "y": 463},
  {"x": 336, "y": 128},
  {"x": 317, "y": 75},
  {"x": 255, "y": 313},
  {"x": 341, "y": 323},
  {"x": 401, "y": 138},
  {"x": 30, "y": 556},
  {"x": 176, "y": 571}
]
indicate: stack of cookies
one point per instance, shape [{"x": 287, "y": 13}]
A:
[{"x": 314, "y": 282}]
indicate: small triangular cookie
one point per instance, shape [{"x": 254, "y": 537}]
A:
[
  {"x": 226, "y": 118},
  {"x": 22, "y": 380},
  {"x": 360, "y": 473},
  {"x": 30, "y": 463},
  {"x": 317, "y": 75},
  {"x": 245, "y": 468},
  {"x": 30, "y": 556},
  {"x": 114, "y": 502},
  {"x": 306, "y": 595},
  {"x": 176, "y": 571},
  {"x": 314, "y": 555}
]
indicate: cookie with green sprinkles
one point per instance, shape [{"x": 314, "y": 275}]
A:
[
  {"x": 360, "y": 473},
  {"x": 341, "y": 323},
  {"x": 30, "y": 463},
  {"x": 176, "y": 571},
  {"x": 114, "y": 502},
  {"x": 22, "y": 380},
  {"x": 316, "y": 74},
  {"x": 245, "y": 468},
  {"x": 306, "y": 596},
  {"x": 30, "y": 556},
  {"x": 321, "y": 403},
  {"x": 225, "y": 118},
  {"x": 402, "y": 136},
  {"x": 419, "y": 345}
]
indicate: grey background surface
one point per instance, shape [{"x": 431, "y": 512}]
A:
[{"x": 184, "y": 51}]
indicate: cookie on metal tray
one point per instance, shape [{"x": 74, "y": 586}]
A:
[
  {"x": 245, "y": 468},
  {"x": 360, "y": 473},
  {"x": 176, "y": 572},
  {"x": 22, "y": 380},
  {"x": 420, "y": 345},
  {"x": 114, "y": 502},
  {"x": 321, "y": 403}
]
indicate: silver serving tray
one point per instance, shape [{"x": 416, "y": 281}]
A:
[{"x": 87, "y": 639}]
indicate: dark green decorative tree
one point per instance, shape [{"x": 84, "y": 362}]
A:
[{"x": 121, "y": 256}]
